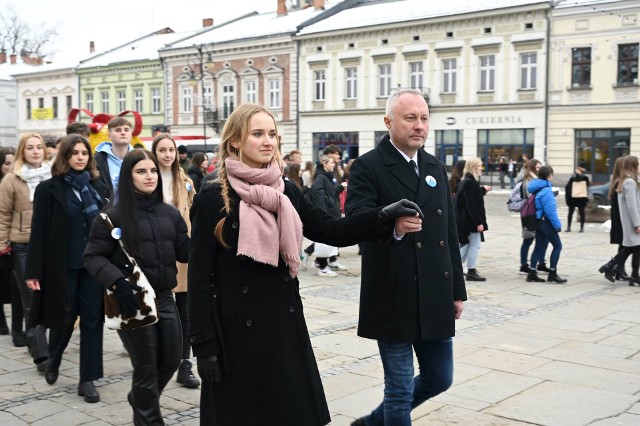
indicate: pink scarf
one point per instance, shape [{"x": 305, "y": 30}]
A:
[{"x": 264, "y": 236}]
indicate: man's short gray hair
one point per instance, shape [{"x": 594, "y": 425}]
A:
[{"x": 391, "y": 100}]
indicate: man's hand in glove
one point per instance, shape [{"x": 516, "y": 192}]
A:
[
  {"x": 406, "y": 214},
  {"x": 127, "y": 301},
  {"x": 209, "y": 368}
]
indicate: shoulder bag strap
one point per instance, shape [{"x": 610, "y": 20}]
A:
[{"x": 105, "y": 217}]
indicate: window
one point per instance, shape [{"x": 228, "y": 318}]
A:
[
  {"x": 28, "y": 109},
  {"x": 89, "y": 101},
  {"x": 187, "y": 99},
  {"x": 208, "y": 96},
  {"x": 274, "y": 93},
  {"x": 528, "y": 70},
  {"x": 54, "y": 105},
  {"x": 351, "y": 78},
  {"x": 416, "y": 75},
  {"x": 628, "y": 64},
  {"x": 69, "y": 101},
  {"x": 122, "y": 100},
  {"x": 137, "y": 100},
  {"x": 384, "y": 80},
  {"x": 105, "y": 102},
  {"x": 228, "y": 98},
  {"x": 449, "y": 75},
  {"x": 156, "y": 106},
  {"x": 250, "y": 91},
  {"x": 40, "y": 102},
  {"x": 487, "y": 73},
  {"x": 581, "y": 66},
  {"x": 319, "y": 81}
]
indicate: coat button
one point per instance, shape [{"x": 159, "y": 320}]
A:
[
  {"x": 234, "y": 225},
  {"x": 415, "y": 278},
  {"x": 291, "y": 309},
  {"x": 446, "y": 275},
  {"x": 249, "y": 322},
  {"x": 419, "y": 245},
  {"x": 441, "y": 243},
  {"x": 439, "y": 212},
  {"x": 245, "y": 290},
  {"x": 286, "y": 277},
  {"x": 192, "y": 339}
]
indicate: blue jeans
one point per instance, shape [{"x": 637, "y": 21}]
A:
[
  {"x": 543, "y": 234},
  {"x": 524, "y": 251},
  {"x": 469, "y": 252},
  {"x": 402, "y": 391}
]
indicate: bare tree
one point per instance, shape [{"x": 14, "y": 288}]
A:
[{"x": 17, "y": 36}]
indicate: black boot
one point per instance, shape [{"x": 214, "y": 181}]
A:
[
  {"x": 620, "y": 273},
  {"x": 607, "y": 270},
  {"x": 533, "y": 277},
  {"x": 542, "y": 267},
  {"x": 524, "y": 269},
  {"x": 582, "y": 227},
  {"x": 634, "y": 279},
  {"x": 4, "y": 329},
  {"x": 555, "y": 278},
  {"x": 186, "y": 377},
  {"x": 473, "y": 275},
  {"x": 19, "y": 338},
  {"x": 568, "y": 229}
]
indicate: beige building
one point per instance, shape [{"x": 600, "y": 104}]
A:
[
  {"x": 483, "y": 71},
  {"x": 594, "y": 95}
]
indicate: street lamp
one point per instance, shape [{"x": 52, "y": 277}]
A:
[{"x": 202, "y": 54}]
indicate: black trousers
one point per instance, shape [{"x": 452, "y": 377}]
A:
[
  {"x": 155, "y": 356},
  {"x": 183, "y": 310},
  {"x": 85, "y": 297},
  {"x": 36, "y": 336},
  {"x": 580, "y": 212}
]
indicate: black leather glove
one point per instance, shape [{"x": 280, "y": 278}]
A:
[
  {"x": 398, "y": 209},
  {"x": 127, "y": 301},
  {"x": 209, "y": 368}
]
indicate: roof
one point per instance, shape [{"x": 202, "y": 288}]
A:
[
  {"x": 380, "y": 13},
  {"x": 27, "y": 70},
  {"x": 142, "y": 49}
]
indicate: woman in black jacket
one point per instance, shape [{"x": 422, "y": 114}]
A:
[
  {"x": 63, "y": 209},
  {"x": 154, "y": 233},
  {"x": 471, "y": 217},
  {"x": 325, "y": 195},
  {"x": 576, "y": 200},
  {"x": 247, "y": 326},
  {"x": 199, "y": 164}
]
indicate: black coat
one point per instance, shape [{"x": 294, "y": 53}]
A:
[
  {"x": 102, "y": 164},
  {"x": 325, "y": 193},
  {"x": 48, "y": 251},
  {"x": 470, "y": 210},
  {"x": 196, "y": 174},
  {"x": 571, "y": 201},
  {"x": 408, "y": 288},
  {"x": 163, "y": 242},
  {"x": 615, "y": 234},
  {"x": 251, "y": 313}
]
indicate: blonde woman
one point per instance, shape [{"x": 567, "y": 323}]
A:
[
  {"x": 247, "y": 325},
  {"x": 17, "y": 192},
  {"x": 177, "y": 190}
]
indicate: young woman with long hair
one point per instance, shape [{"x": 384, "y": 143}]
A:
[
  {"x": 178, "y": 190},
  {"x": 198, "y": 169},
  {"x": 17, "y": 191},
  {"x": 154, "y": 233},
  {"x": 530, "y": 170},
  {"x": 247, "y": 325},
  {"x": 63, "y": 211}
]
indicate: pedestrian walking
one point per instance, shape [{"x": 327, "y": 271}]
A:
[
  {"x": 197, "y": 171},
  {"x": 456, "y": 176},
  {"x": 576, "y": 195},
  {"x": 530, "y": 170},
  {"x": 63, "y": 211},
  {"x": 247, "y": 325},
  {"x": 155, "y": 235},
  {"x": 17, "y": 191}
]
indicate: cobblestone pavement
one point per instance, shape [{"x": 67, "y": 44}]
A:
[{"x": 525, "y": 353}]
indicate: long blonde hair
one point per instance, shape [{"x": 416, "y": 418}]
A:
[
  {"x": 629, "y": 169},
  {"x": 236, "y": 130},
  {"x": 19, "y": 161},
  {"x": 471, "y": 166}
]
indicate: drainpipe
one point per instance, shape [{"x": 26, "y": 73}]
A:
[
  {"x": 298, "y": 97},
  {"x": 547, "y": 85}
]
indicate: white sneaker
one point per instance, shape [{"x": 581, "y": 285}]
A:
[
  {"x": 337, "y": 266},
  {"x": 326, "y": 272}
]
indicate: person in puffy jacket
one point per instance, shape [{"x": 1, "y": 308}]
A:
[
  {"x": 550, "y": 226},
  {"x": 155, "y": 235}
]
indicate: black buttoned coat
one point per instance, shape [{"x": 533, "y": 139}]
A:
[
  {"x": 408, "y": 288},
  {"x": 252, "y": 315}
]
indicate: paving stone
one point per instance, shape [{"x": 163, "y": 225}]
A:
[{"x": 493, "y": 387}]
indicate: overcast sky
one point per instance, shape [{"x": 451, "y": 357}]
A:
[{"x": 119, "y": 21}]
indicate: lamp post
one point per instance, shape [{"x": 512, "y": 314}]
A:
[{"x": 201, "y": 65}]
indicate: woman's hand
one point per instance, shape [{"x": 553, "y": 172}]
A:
[
  {"x": 480, "y": 228},
  {"x": 33, "y": 284}
]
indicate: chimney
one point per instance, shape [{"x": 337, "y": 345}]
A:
[
  {"x": 92, "y": 46},
  {"x": 3, "y": 57},
  {"x": 13, "y": 57},
  {"x": 31, "y": 59},
  {"x": 207, "y": 22},
  {"x": 282, "y": 8},
  {"x": 318, "y": 4}
]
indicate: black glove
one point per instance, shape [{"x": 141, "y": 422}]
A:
[
  {"x": 209, "y": 368},
  {"x": 127, "y": 301},
  {"x": 398, "y": 209}
]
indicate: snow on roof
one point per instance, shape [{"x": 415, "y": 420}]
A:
[
  {"x": 144, "y": 48},
  {"x": 380, "y": 13},
  {"x": 44, "y": 68},
  {"x": 254, "y": 26}
]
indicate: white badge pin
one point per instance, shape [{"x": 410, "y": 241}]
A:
[
  {"x": 431, "y": 181},
  {"x": 188, "y": 187},
  {"x": 116, "y": 233}
]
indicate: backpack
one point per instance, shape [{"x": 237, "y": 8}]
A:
[
  {"x": 528, "y": 215},
  {"x": 516, "y": 200}
]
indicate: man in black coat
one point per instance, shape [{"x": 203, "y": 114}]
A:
[{"x": 412, "y": 288}]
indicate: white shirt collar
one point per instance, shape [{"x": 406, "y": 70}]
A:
[{"x": 405, "y": 156}]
